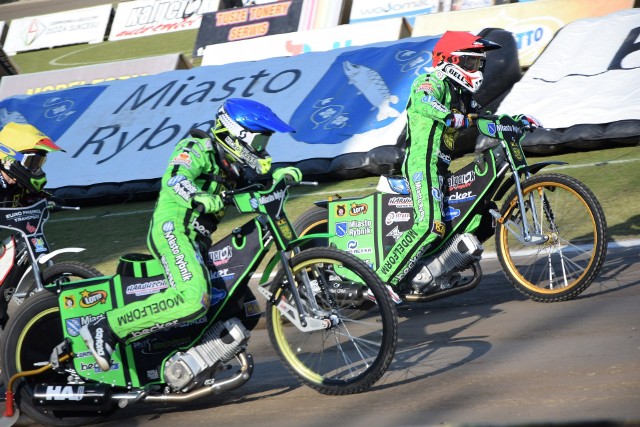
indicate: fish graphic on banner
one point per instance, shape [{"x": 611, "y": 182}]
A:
[{"x": 367, "y": 86}]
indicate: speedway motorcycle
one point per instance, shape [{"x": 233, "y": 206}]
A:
[
  {"x": 335, "y": 334},
  {"x": 26, "y": 260},
  {"x": 550, "y": 233}
]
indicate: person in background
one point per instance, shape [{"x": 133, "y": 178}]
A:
[
  {"x": 437, "y": 110},
  {"x": 23, "y": 153},
  {"x": 187, "y": 212}
]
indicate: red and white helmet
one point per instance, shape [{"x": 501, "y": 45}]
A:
[{"x": 461, "y": 57}]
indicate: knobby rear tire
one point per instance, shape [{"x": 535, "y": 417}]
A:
[
  {"x": 28, "y": 341},
  {"x": 314, "y": 220},
  {"x": 62, "y": 272}
]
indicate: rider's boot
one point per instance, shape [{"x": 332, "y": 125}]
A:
[
  {"x": 100, "y": 340},
  {"x": 461, "y": 252}
]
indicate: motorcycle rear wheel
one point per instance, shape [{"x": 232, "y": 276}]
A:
[
  {"x": 314, "y": 220},
  {"x": 29, "y": 338},
  {"x": 569, "y": 214},
  {"x": 356, "y": 350},
  {"x": 62, "y": 272}
]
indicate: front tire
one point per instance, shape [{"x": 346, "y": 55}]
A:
[
  {"x": 569, "y": 214},
  {"x": 355, "y": 350},
  {"x": 28, "y": 341}
]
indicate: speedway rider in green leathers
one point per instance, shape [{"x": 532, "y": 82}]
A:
[
  {"x": 188, "y": 209},
  {"x": 437, "y": 109}
]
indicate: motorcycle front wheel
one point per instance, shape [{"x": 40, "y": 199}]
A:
[
  {"x": 565, "y": 211},
  {"x": 29, "y": 339},
  {"x": 356, "y": 347}
]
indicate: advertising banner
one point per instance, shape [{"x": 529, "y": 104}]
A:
[
  {"x": 247, "y": 22},
  {"x": 370, "y": 10},
  {"x": 584, "y": 87},
  {"x": 533, "y": 24},
  {"x": 321, "y": 14},
  {"x": 48, "y": 81},
  {"x": 449, "y": 5},
  {"x": 58, "y": 29},
  {"x": 290, "y": 44},
  {"x": 149, "y": 17},
  {"x": 346, "y": 101}
]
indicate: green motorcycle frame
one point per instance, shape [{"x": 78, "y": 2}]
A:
[{"x": 550, "y": 233}]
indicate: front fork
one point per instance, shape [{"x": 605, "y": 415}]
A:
[
  {"x": 296, "y": 313},
  {"x": 523, "y": 231}
]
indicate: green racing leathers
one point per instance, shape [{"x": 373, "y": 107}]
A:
[
  {"x": 175, "y": 230},
  {"x": 433, "y": 100}
]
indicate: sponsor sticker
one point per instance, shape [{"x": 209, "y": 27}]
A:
[{"x": 341, "y": 229}]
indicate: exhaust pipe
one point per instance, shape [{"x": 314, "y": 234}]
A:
[
  {"x": 99, "y": 397},
  {"x": 477, "y": 275},
  {"x": 73, "y": 397},
  {"x": 240, "y": 377}
]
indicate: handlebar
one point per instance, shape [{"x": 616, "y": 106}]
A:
[
  {"x": 227, "y": 196},
  {"x": 54, "y": 207},
  {"x": 474, "y": 117}
]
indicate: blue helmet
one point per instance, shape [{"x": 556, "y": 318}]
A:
[{"x": 243, "y": 128}]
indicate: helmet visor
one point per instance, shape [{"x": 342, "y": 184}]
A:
[
  {"x": 471, "y": 63},
  {"x": 255, "y": 141},
  {"x": 33, "y": 161},
  {"x": 259, "y": 142}
]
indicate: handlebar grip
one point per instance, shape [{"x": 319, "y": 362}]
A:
[
  {"x": 312, "y": 183},
  {"x": 54, "y": 207}
]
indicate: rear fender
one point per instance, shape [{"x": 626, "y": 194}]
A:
[{"x": 47, "y": 257}]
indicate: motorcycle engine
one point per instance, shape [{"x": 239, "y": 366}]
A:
[
  {"x": 440, "y": 272},
  {"x": 219, "y": 344}
]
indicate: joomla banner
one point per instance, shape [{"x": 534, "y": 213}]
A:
[{"x": 371, "y": 10}]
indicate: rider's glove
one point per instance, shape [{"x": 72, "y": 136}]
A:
[
  {"x": 290, "y": 173},
  {"x": 456, "y": 121},
  {"x": 530, "y": 121},
  {"x": 211, "y": 203}
]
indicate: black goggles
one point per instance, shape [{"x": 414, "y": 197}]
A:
[{"x": 472, "y": 63}]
